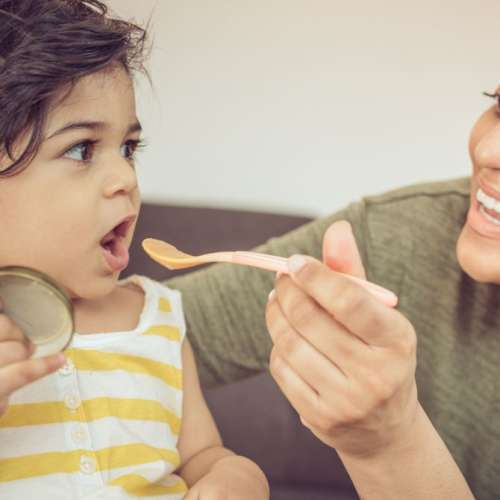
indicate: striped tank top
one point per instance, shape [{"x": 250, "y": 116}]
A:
[{"x": 106, "y": 425}]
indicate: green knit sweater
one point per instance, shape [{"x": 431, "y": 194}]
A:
[{"x": 407, "y": 241}]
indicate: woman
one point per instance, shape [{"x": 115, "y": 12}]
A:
[{"x": 407, "y": 396}]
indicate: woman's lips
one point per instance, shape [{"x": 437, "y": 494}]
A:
[{"x": 478, "y": 221}]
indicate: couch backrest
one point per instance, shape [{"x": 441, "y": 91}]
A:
[{"x": 198, "y": 230}]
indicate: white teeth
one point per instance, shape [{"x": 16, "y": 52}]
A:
[
  {"x": 488, "y": 216},
  {"x": 489, "y": 202}
]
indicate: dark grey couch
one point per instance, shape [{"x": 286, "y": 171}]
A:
[{"x": 254, "y": 418}]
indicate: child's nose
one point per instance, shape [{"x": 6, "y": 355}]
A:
[{"x": 121, "y": 179}]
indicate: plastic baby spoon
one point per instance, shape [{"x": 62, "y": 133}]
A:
[{"x": 170, "y": 257}]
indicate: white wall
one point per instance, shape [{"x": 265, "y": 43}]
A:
[{"x": 301, "y": 106}]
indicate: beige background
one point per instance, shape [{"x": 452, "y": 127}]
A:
[{"x": 301, "y": 106}]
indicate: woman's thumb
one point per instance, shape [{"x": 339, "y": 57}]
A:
[{"x": 340, "y": 251}]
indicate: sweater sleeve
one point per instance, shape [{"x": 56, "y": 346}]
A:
[{"x": 225, "y": 304}]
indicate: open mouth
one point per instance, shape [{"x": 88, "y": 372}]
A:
[
  {"x": 488, "y": 206},
  {"x": 114, "y": 245}
]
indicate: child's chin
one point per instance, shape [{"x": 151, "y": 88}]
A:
[{"x": 95, "y": 290}]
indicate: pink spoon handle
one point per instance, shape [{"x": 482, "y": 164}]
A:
[{"x": 280, "y": 264}]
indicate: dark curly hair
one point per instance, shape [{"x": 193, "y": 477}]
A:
[{"x": 46, "y": 45}]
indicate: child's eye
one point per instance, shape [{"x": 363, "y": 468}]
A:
[
  {"x": 130, "y": 148},
  {"x": 81, "y": 152}
]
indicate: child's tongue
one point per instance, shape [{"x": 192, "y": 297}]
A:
[{"x": 116, "y": 254}]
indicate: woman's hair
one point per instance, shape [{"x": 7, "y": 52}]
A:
[{"x": 46, "y": 45}]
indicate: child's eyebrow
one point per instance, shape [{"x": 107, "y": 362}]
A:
[{"x": 134, "y": 127}]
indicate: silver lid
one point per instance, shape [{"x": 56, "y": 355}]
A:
[{"x": 39, "y": 307}]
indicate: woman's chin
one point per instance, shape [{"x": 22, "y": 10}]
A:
[{"x": 478, "y": 256}]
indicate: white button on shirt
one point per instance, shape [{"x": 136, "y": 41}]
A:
[
  {"x": 67, "y": 369},
  {"x": 72, "y": 401},
  {"x": 79, "y": 434},
  {"x": 88, "y": 464}
]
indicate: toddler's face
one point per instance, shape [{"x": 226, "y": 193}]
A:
[{"x": 71, "y": 213}]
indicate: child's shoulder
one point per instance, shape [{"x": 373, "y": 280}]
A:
[
  {"x": 153, "y": 296},
  {"x": 139, "y": 287}
]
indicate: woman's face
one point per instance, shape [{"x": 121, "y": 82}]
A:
[{"x": 478, "y": 248}]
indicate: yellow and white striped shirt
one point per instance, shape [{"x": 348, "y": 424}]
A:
[{"x": 105, "y": 426}]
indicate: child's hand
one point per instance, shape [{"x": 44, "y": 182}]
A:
[
  {"x": 16, "y": 367},
  {"x": 231, "y": 478}
]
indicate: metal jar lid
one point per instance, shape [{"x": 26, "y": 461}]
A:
[{"x": 39, "y": 307}]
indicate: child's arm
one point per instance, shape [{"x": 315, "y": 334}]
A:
[{"x": 209, "y": 469}]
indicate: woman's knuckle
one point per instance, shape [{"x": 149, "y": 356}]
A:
[
  {"x": 288, "y": 343},
  {"x": 408, "y": 343},
  {"x": 302, "y": 312},
  {"x": 374, "y": 322},
  {"x": 308, "y": 272},
  {"x": 275, "y": 326},
  {"x": 305, "y": 422},
  {"x": 325, "y": 416},
  {"x": 321, "y": 422},
  {"x": 354, "y": 413},
  {"x": 275, "y": 365},
  {"x": 348, "y": 300},
  {"x": 270, "y": 314},
  {"x": 381, "y": 388}
]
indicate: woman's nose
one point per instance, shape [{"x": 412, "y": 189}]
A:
[
  {"x": 487, "y": 150},
  {"x": 121, "y": 178}
]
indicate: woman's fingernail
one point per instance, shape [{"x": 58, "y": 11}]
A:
[
  {"x": 296, "y": 263},
  {"x": 271, "y": 296}
]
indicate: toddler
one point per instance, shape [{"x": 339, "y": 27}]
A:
[{"x": 120, "y": 414}]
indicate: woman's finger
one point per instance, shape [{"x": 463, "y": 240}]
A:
[
  {"x": 317, "y": 325},
  {"x": 349, "y": 303},
  {"x": 340, "y": 251},
  {"x": 17, "y": 375},
  {"x": 327, "y": 336},
  {"x": 319, "y": 372},
  {"x": 300, "y": 395},
  {"x": 375, "y": 369}
]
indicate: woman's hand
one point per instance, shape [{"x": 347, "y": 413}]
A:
[
  {"x": 17, "y": 369},
  {"x": 345, "y": 361}
]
